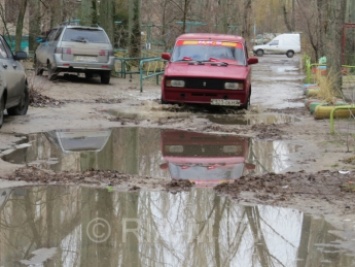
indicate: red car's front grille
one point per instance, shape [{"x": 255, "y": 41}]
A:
[
  {"x": 206, "y": 151},
  {"x": 205, "y": 83}
]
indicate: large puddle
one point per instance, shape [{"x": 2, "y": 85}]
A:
[
  {"x": 82, "y": 226},
  {"x": 152, "y": 152},
  {"x": 277, "y": 82}
]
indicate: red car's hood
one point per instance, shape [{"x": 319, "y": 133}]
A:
[{"x": 182, "y": 69}]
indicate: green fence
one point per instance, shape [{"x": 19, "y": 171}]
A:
[
  {"x": 151, "y": 67},
  {"x": 144, "y": 67},
  {"x": 12, "y": 43}
]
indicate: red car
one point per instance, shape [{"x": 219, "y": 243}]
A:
[
  {"x": 205, "y": 159},
  {"x": 210, "y": 69}
]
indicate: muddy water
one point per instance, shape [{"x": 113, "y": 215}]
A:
[
  {"x": 81, "y": 226},
  {"x": 277, "y": 82},
  {"x": 252, "y": 119},
  {"x": 153, "y": 152}
]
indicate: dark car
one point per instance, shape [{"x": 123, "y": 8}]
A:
[
  {"x": 76, "y": 48},
  {"x": 14, "y": 94}
]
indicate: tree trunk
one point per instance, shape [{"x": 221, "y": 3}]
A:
[
  {"x": 336, "y": 17},
  {"x": 19, "y": 25},
  {"x": 35, "y": 22},
  {"x": 106, "y": 17},
  {"x": 94, "y": 19},
  {"x": 287, "y": 19},
  {"x": 184, "y": 16},
  {"x": 322, "y": 29},
  {"x": 135, "y": 30},
  {"x": 3, "y": 20},
  {"x": 86, "y": 12},
  {"x": 247, "y": 19}
]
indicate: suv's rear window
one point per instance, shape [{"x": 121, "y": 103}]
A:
[
  {"x": 202, "y": 50},
  {"x": 85, "y": 35}
]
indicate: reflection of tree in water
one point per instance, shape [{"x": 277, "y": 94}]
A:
[
  {"x": 269, "y": 156},
  {"x": 37, "y": 218},
  {"x": 196, "y": 228}
]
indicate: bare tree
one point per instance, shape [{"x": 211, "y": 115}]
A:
[
  {"x": 106, "y": 17},
  {"x": 247, "y": 19},
  {"x": 287, "y": 8},
  {"x": 19, "y": 25},
  {"x": 3, "y": 19},
  {"x": 34, "y": 24},
  {"x": 336, "y": 18},
  {"x": 135, "y": 29}
]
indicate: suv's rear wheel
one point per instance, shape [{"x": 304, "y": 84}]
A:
[
  {"x": 22, "y": 107},
  {"x": 51, "y": 73},
  {"x": 105, "y": 77}
]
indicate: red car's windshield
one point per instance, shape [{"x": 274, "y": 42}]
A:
[{"x": 201, "y": 50}]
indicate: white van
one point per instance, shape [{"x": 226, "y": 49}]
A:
[{"x": 286, "y": 43}]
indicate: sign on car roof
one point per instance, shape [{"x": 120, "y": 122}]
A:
[{"x": 209, "y": 43}]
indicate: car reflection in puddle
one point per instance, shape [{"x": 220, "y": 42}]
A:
[
  {"x": 205, "y": 159},
  {"x": 81, "y": 140},
  {"x": 153, "y": 152}
]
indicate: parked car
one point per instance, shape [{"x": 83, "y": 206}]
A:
[
  {"x": 78, "y": 49},
  {"x": 287, "y": 43},
  {"x": 14, "y": 94},
  {"x": 263, "y": 38},
  {"x": 209, "y": 69}
]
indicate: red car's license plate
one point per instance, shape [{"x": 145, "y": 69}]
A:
[{"x": 225, "y": 102}]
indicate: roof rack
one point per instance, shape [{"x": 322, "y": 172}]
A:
[
  {"x": 71, "y": 22},
  {"x": 76, "y": 22}
]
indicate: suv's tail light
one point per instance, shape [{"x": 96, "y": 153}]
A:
[
  {"x": 67, "y": 51},
  {"x": 105, "y": 53},
  {"x": 61, "y": 50}
]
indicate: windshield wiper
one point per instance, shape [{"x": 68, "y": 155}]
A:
[
  {"x": 80, "y": 40},
  {"x": 217, "y": 61},
  {"x": 202, "y": 62}
]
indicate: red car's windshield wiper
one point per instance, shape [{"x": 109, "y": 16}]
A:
[
  {"x": 215, "y": 60},
  {"x": 202, "y": 62}
]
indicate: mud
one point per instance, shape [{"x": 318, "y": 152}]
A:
[{"x": 319, "y": 178}]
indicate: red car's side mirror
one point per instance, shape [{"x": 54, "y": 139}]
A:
[
  {"x": 166, "y": 56},
  {"x": 164, "y": 166},
  {"x": 252, "y": 60}
]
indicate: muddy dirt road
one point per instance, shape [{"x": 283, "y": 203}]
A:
[{"x": 298, "y": 163}]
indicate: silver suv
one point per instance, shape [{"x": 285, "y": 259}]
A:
[{"x": 75, "y": 48}]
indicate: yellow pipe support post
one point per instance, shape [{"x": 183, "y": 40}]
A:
[
  {"x": 323, "y": 112},
  {"x": 349, "y": 111}
]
